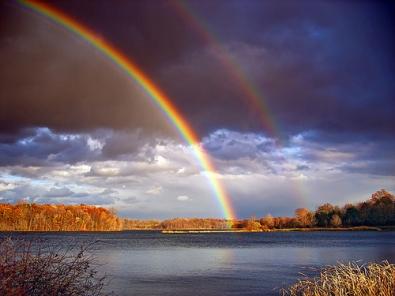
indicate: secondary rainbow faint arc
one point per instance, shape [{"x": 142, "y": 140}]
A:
[
  {"x": 232, "y": 67},
  {"x": 235, "y": 72},
  {"x": 160, "y": 99}
]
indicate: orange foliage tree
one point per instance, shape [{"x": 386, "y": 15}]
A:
[{"x": 34, "y": 217}]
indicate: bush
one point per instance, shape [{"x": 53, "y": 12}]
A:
[
  {"x": 28, "y": 268},
  {"x": 348, "y": 279}
]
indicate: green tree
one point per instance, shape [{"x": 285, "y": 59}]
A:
[
  {"x": 351, "y": 216},
  {"x": 323, "y": 215}
]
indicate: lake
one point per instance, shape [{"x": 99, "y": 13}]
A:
[{"x": 152, "y": 263}]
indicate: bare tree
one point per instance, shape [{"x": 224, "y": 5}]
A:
[{"x": 32, "y": 269}]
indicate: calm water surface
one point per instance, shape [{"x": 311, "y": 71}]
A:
[{"x": 151, "y": 263}]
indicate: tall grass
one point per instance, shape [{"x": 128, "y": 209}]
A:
[{"x": 349, "y": 279}]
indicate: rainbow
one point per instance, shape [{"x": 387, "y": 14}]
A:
[
  {"x": 232, "y": 68},
  {"x": 157, "y": 96},
  {"x": 234, "y": 71}
]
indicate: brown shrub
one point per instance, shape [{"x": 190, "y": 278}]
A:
[{"x": 28, "y": 268}]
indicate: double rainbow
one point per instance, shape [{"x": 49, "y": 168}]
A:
[{"x": 157, "y": 96}]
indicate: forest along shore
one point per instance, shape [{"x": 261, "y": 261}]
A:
[
  {"x": 375, "y": 214},
  {"x": 356, "y": 228}
]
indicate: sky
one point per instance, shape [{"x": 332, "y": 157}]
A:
[{"x": 293, "y": 101}]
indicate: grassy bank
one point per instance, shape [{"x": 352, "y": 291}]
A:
[
  {"x": 348, "y": 280},
  {"x": 356, "y": 228},
  {"x": 208, "y": 231}
]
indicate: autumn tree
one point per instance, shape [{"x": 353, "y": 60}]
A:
[
  {"x": 267, "y": 221},
  {"x": 193, "y": 223},
  {"x": 336, "y": 221},
  {"x": 304, "y": 217},
  {"x": 382, "y": 208},
  {"x": 34, "y": 217},
  {"x": 252, "y": 224}
]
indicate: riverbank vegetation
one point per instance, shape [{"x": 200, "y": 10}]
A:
[
  {"x": 349, "y": 279},
  {"x": 378, "y": 211},
  {"x": 37, "y": 269}
]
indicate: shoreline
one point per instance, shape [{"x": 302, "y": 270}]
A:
[
  {"x": 185, "y": 231},
  {"x": 314, "y": 229}
]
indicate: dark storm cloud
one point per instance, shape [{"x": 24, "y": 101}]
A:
[
  {"x": 367, "y": 155},
  {"x": 120, "y": 144},
  {"x": 151, "y": 33},
  {"x": 42, "y": 147},
  {"x": 245, "y": 153},
  {"x": 51, "y": 78},
  {"x": 372, "y": 167},
  {"x": 325, "y": 66},
  {"x": 318, "y": 65}
]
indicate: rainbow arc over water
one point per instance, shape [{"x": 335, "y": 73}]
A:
[{"x": 157, "y": 95}]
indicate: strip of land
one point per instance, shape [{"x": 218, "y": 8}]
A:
[
  {"x": 375, "y": 214},
  {"x": 358, "y": 228}
]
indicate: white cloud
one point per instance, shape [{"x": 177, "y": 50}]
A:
[
  {"x": 183, "y": 198},
  {"x": 154, "y": 190},
  {"x": 94, "y": 144},
  {"x": 262, "y": 178},
  {"x": 6, "y": 186}
]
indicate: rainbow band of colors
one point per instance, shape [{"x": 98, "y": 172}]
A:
[
  {"x": 235, "y": 72},
  {"x": 251, "y": 93},
  {"x": 159, "y": 98}
]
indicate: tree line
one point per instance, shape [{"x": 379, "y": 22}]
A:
[
  {"x": 379, "y": 210},
  {"x": 34, "y": 217},
  {"x": 45, "y": 217}
]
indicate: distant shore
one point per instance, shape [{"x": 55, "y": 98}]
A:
[
  {"x": 313, "y": 229},
  {"x": 376, "y": 212},
  {"x": 181, "y": 231}
]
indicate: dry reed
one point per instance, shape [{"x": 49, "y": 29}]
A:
[{"x": 349, "y": 279}]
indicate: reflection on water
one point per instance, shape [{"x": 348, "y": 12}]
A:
[{"x": 151, "y": 263}]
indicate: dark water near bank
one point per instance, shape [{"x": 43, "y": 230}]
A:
[{"x": 151, "y": 263}]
